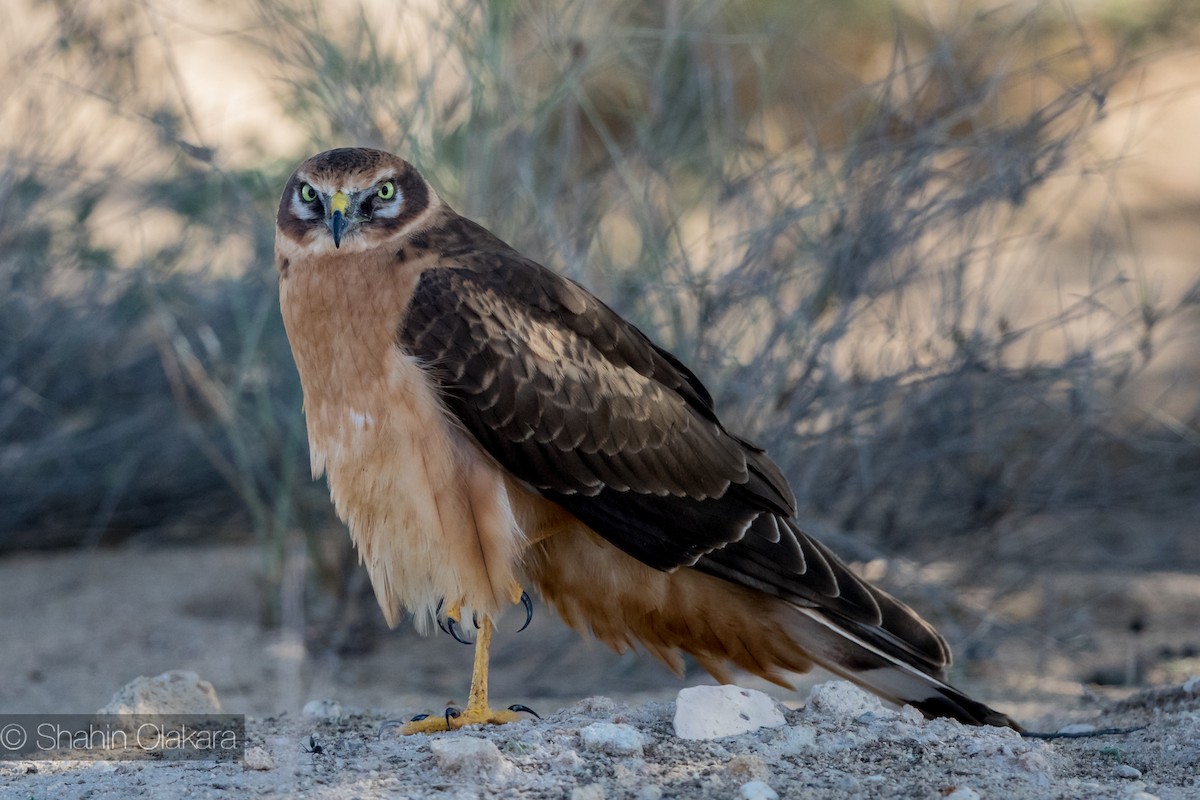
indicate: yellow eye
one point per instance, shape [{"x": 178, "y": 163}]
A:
[
  {"x": 307, "y": 193},
  {"x": 387, "y": 191}
]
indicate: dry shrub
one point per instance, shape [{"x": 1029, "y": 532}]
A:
[{"x": 838, "y": 217}]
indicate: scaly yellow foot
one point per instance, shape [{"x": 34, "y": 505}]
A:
[
  {"x": 477, "y": 711},
  {"x": 450, "y": 722}
]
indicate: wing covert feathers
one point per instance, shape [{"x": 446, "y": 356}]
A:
[{"x": 581, "y": 406}]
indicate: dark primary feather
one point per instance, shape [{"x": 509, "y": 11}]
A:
[{"x": 579, "y": 404}]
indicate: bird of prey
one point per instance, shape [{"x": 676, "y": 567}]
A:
[{"x": 485, "y": 424}]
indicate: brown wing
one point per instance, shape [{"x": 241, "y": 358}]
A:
[{"x": 579, "y": 404}]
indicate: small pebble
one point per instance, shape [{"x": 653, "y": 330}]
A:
[
  {"x": 323, "y": 709},
  {"x": 748, "y": 766},
  {"x": 258, "y": 758},
  {"x": 174, "y": 692},
  {"x": 1126, "y": 771},
  {"x": 592, "y": 791},
  {"x": 841, "y": 699},
  {"x": 757, "y": 790},
  {"x": 616, "y": 740},
  {"x": 568, "y": 760},
  {"x": 469, "y": 755}
]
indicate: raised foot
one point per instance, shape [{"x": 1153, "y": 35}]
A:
[
  {"x": 453, "y": 719},
  {"x": 450, "y": 617}
]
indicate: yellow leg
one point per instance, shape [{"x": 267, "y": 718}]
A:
[{"x": 477, "y": 711}]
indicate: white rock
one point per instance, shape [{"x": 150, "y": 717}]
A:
[
  {"x": 616, "y": 740},
  {"x": 963, "y": 793},
  {"x": 757, "y": 790},
  {"x": 712, "y": 712},
  {"x": 470, "y": 756},
  {"x": 174, "y": 692},
  {"x": 1126, "y": 771},
  {"x": 323, "y": 709},
  {"x": 258, "y": 758},
  {"x": 841, "y": 699},
  {"x": 592, "y": 791}
]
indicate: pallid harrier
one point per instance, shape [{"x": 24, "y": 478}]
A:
[{"x": 485, "y": 424}]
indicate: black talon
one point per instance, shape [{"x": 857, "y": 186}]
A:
[
  {"x": 438, "y": 616},
  {"x": 419, "y": 717},
  {"x": 454, "y": 633},
  {"x": 525, "y": 601},
  {"x": 475, "y": 620},
  {"x": 451, "y": 713},
  {"x": 519, "y": 708}
]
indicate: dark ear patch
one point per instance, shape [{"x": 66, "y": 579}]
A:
[
  {"x": 286, "y": 221},
  {"x": 412, "y": 189}
]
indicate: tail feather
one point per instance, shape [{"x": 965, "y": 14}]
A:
[
  {"x": 847, "y": 652},
  {"x": 845, "y": 624}
]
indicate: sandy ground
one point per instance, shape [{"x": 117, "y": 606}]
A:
[{"x": 77, "y": 627}]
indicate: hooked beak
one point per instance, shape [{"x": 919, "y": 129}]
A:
[{"x": 338, "y": 204}]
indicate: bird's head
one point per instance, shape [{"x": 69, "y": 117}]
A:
[{"x": 351, "y": 199}]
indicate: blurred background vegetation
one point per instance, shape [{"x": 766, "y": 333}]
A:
[{"x": 938, "y": 257}]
